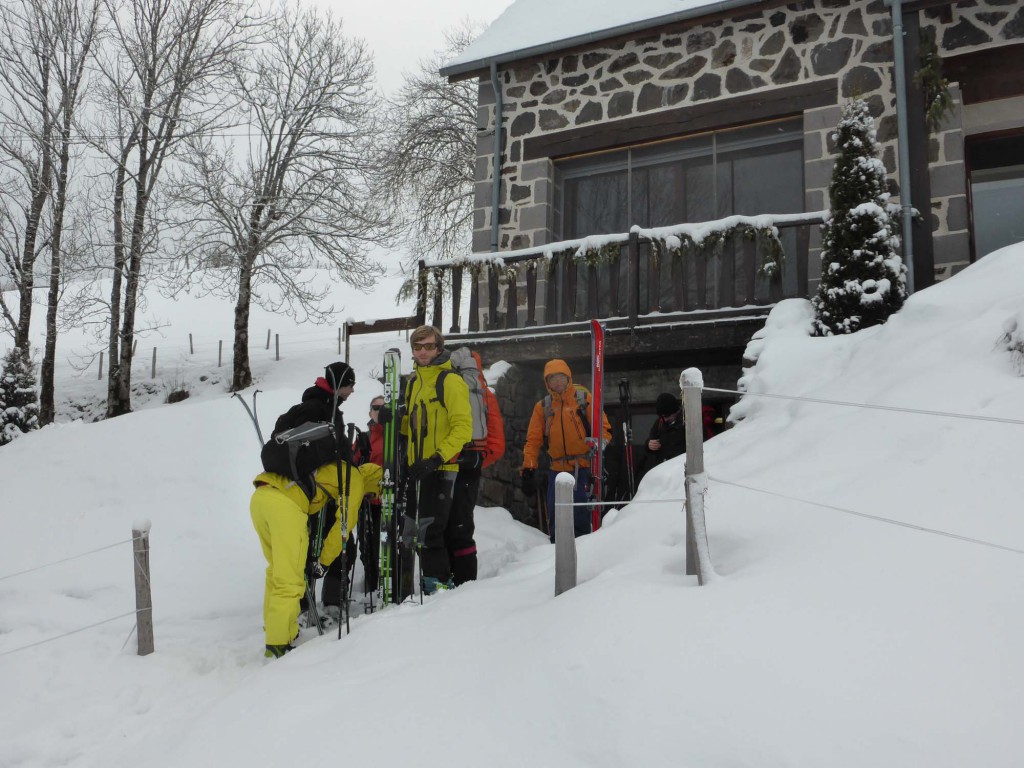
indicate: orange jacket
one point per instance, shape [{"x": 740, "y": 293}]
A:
[{"x": 566, "y": 430}]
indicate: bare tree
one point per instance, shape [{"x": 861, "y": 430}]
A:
[
  {"x": 294, "y": 196},
  {"x": 75, "y": 25},
  {"x": 428, "y": 154},
  {"x": 160, "y": 78},
  {"x": 26, "y": 153}
]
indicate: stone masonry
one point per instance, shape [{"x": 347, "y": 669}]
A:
[{"x": 751, "y": 52}]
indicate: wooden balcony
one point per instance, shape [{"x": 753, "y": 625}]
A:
[{"x": 688, "y": 287}]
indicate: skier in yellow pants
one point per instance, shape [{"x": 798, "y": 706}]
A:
[{"x": 280, "y": 513}]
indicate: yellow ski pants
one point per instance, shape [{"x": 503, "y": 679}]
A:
[{"x": 284, "y": 537}]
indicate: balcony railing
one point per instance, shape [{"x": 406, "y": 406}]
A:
[{"x": 736, "y": 262}]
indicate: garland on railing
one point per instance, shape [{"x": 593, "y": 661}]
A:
[{"x": 768, "y": 243}]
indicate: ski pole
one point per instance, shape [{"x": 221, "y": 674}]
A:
[{"x": 252, "y": 412}]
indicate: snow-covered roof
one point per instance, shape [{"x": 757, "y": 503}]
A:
[{"x": 535, "y": 27}]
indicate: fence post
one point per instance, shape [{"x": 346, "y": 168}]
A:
[
  {"x": 348, "y": 340},
  {"x": 268, "y": 338},
  {"x": 191, "y": 349},
  {"x": 339, "y": 342},
  {"x": 277, "y": 346},
  {"x": 99, "y": 373},
  {"x": 135, "y": 344},
  {"x": 565, "y": 534},
  {"x": 698, "y": 556},
  {"x": 143, "y": 593},
  {"x": 220, "y": 351},
  {"x": 152, "y": 373}
]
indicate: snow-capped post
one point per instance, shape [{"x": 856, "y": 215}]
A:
[
  {"x": 565, "y": 534},
  {"x": 698, "y": 555},
  {"x": 143, "y": 593}
]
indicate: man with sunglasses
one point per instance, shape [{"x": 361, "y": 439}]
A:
[{"x": 438, "y": 422}]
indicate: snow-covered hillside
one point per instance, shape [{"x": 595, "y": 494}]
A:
[{"x": 828, "y": 638}]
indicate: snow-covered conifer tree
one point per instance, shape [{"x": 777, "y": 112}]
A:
[
  {"x": 19, "y": 403},
  {"x": 862, "y": 273}
]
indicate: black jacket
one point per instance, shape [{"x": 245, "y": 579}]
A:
[
  {"x": 673, "y": 442},
  {"x": 316, "y": 405}
]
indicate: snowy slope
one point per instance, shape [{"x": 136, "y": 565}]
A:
[{"x": 829, "y": 639}]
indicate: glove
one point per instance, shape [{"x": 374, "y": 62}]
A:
[
  {"x": 470, "y": 460},
  {"x": 424, "y": 467},
  {"x": 385, "y": 415},
  {"x": 529, "y": 478},
  {"x": 317, "y": 570}
]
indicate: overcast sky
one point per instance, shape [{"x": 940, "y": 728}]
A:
[{"x": 403, "y": 32}]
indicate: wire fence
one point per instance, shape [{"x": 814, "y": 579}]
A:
[{"x": 88, "y": 626}]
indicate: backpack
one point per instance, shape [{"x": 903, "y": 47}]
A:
[
  {"x": 297, "y": 452},
  {"x": 465, "y": 366},
  {"x": 581, "y": 405}
]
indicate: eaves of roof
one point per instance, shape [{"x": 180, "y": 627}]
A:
[{"x": 467, "y": 69}]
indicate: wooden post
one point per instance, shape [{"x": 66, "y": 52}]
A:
[
  {"x": 456, "y": 299},
  {"x": 421, "y": 292},
  {"x": 220, "y": 351},
  {"x": 698, "y": 556},
  {"x": 99, "y": 371},
  {"x": 633, "y": 277},
  {"x": 512, "y": 297},
  {"x": 135, "y": 345},
  {"x": 474, "y": 301},
  {"x": 492, "y": 297},
  {"x": 143, "y": 593},
  {"x": 152, "y": 373},
  {"x": 565, "y": 534},
  {"x": 277, "y": 346},
  {"x": 268, "y": 338},
  {"x": 438, "y": 299},
  {"x": 339, "y": 342},
  {"x": 191, "y": 349},
  {"x": 531, "y": 295},
  {"x": 348, "y": 340}
]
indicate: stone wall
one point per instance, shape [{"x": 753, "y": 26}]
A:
[{"x": 759, "y": 51}]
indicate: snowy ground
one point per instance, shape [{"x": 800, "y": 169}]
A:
[{"x": 827, "y": 639}]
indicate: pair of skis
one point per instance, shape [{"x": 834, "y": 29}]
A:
[
  {"x": 391, "y": 503},
  {"x": 596, "y": 419}
]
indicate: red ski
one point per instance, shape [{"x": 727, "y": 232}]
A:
[{"x": 596, "y": 417}]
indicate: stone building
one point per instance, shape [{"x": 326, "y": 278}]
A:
[{"x": 597, "y": 117}]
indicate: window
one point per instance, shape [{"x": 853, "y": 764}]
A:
[
  {"x": 752, "y": 170},
  {"x": 997, "y": 192}
]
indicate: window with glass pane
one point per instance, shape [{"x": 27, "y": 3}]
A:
[{"x": 751, "y": 170}]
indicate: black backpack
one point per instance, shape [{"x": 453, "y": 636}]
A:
[{"x": 298, "y": 447}]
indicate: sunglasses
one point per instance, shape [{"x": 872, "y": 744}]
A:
[{"x": 430, "y": 346}]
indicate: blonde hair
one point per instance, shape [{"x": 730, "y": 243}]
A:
[{"x": 427, "y": 330}]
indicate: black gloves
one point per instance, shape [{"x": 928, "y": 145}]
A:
[
  {"x": 424, "y": 467},
  {"x": 385, "y": 415},
  {"x": 470, "y": 460},
  {"x": 317, "y": 570},
  {"x": 529, "y": 478}
]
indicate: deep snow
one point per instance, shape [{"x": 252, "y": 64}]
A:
[{"x": 826, "y": 639}]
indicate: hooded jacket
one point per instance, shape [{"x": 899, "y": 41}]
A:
[
  {"x": 566, "y": 429},
  {"x": 430, "y": 427}
]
